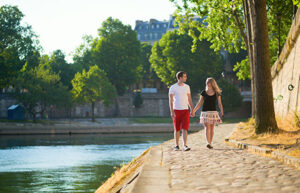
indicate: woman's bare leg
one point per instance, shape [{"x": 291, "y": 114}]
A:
[
  {"x": 211, "y": 132},
  {"x": 207, "y": 132}
]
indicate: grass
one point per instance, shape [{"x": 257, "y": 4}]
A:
[
  {"x": 287, "y": 140},
  {"x": 28, "y": 121}
]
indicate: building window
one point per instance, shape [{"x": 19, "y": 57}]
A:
[
  {"x": 152, "y": 26},
  {"x": 165, "y": 25},
  {"x": 146, "y": 36},
  {"x": 157, "y": 25},
  {"x": 156, "y": 36},
  {"x": 140, "y": 27},
  {"x": 139, "y": 36},
  {"x": 150, "y": 36}
]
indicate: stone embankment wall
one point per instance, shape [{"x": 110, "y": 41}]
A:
[{"x": 286, "y": 73}]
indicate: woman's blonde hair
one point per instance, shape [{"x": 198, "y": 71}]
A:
[{"x": 214, "y": 85}]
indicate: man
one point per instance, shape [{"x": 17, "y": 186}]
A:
[{"x": 179, "y": 101}]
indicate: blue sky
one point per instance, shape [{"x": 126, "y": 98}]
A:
[{"x": 60, "y": 24}]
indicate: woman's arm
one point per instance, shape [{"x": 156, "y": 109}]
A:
[
  {"x": 198, "y": 105},
  {"x": 220, "y": 105}
]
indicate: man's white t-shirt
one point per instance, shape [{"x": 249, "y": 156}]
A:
[{"x": 180, "y": 99}]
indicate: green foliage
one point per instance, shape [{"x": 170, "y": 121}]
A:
[
  {"x": 92, "y": 86},
  {"x": 296, "y": 2},
  {"x": 224, "y": 25},
  {"x": 17, "y": 43},
  {"x": 82, "y": 57},
  {"x": 117, "y": 52},
  {"x": 173, "y": 53},
  {"x": 243, "y": 69},
  {"x": 145, "y": 70},
  {"x": 60, "y": 66},
  {"x": 9, "y": 66},
  {"x": 40, "y": 87},
  {"x": 138, "y": 100},
  {"x": 231, "y": 97},
  {"x": 280, "y": 14}
]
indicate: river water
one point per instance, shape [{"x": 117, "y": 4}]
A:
[{"x": 62, "y": 163}]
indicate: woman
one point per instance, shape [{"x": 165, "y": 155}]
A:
[{"x": 209, "y": 115}]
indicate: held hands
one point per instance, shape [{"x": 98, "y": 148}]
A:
[
  {"x": 222, "y": 114},
  {"x": 192, "y": 114}
]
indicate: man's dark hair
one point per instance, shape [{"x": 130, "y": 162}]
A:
[{"x": 180, "y": 74}]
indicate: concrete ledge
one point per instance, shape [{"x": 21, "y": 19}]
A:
[
  {"x": 148, "y": 177},
  {"x": 291, "y": 161}
]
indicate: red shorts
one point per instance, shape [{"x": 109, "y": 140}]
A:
[{"x": 181, "y": 120}]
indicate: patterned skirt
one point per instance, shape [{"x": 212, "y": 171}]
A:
[{"x": 210, "y": 117}]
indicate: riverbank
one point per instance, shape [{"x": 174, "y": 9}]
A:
[{"x": 222, "y": 169}]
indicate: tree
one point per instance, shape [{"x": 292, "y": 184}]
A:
[
  {"x": 38, "y": 88},
  {"x": 258, "y": 49},
  {"x": 173, "y": 53},
  {"x": 145, "y": 70},
  {"x": 92, "y": 86},
  {"x": 117, "y": 52},
  {"x": 17, "y": 43},
  {"x": 60, "y": 66},
  {"x": 226, "y": 28},
  {"x": 83, "y": 57}
]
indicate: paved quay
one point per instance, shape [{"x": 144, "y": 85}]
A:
[{"x": 223, "y": 169}]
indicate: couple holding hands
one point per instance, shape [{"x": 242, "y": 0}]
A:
[{"x": 180, "y": 100}]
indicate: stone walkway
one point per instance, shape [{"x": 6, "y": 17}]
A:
[{"x": 224, "y": 169}]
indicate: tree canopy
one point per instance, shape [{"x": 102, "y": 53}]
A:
[
  {"x": 92, "y": 86},
  {"x": 117, "y": 52},
  {"x": 17, "y": 43},
  {"x": 173, "y": 53}
]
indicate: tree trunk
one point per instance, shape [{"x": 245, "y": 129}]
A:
[
  {"x": 264, "y": 105},
  {"x": 249, "y": 45},
  {"x": 93, "y": 114}
]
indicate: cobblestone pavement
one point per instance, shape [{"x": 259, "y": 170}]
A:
[{"x": 224, "y": 168}]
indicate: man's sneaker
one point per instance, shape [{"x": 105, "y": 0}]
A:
[
  {"x": 186, "y": 148},
  {"x": 209, "y": 146},
  {"x": 176, "y": 148}
]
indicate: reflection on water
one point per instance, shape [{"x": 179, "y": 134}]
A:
[{"x": 61, "y": 163}]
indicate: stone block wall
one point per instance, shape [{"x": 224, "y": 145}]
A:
[
  {"x": 153, "y": 105},
  {"x": 5, "y": 102},
  {"x": 286, "y": 73}
]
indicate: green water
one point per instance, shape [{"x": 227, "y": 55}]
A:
[{"x": 61, "y": 163}]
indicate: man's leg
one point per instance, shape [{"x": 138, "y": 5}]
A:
[
  {"x": 176, "y": 137},
  {"x": 184, "y": 136},
  {"x": 185, "y": 128},
  {"x": 176, "y": 123}
]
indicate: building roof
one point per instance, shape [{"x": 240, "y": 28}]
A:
[{"x": 13, "y": 107}]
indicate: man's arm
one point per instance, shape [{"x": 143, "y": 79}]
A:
[
  {"x": 190, "y": 102},
  {"x": 171, "y": 98}
]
